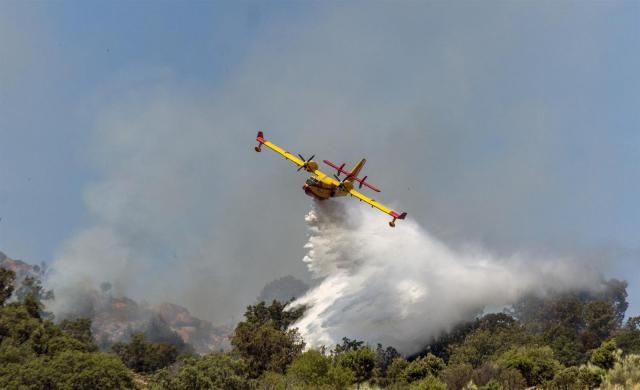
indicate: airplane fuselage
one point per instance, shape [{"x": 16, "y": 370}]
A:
[{"x": 322, "y": 188}]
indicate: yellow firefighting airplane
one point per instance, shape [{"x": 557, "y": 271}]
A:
[{"x": 322, "y": 186}]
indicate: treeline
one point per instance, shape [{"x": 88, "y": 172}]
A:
[
  {"x": 571, "y": 340},
  {"x": 35, "y": 353}
]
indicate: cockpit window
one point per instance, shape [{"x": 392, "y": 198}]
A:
[{"x": 312, "y": 181}]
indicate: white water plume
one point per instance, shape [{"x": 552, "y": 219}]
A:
[{"x": 402, "y": 287}]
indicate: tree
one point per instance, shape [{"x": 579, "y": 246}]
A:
[
  {"x": 263, "y": 341},
  {"x": 384, "y": 358},
  {"x": 348, "y": 345},
  {"x": 606, "y": 355},
  {"x": 31, "y": 294},
  {"x": 441, "y": 346},
  {"x": 423, "y": 367},
  {"x": 566, "y": 379},
  {"x": 7, "y": 280},
  {"x": 83, "y": 370},
  {"x": 511, "y": 379},
  {"x": 216, "y": 370},
  {"x": 395, "y": 370},
  {"x": 270, "y": 380},
  {"x": 67, "y": 370},
  {"x": 575, "y": 322},
  {"x": 457, "y": 375},
  {"x": 275, "y": 314},
  {"x": 17, "y": 325},
  {"x": 487, "y": 372},
  {"x": 143, "y": 356},
  {"x": 79, "y": 329},
  {"x": 428, "y": 383},
  {"x": 492, "y": 335},
  {"x": 628, "y": 338},
  {"x": 265, "y": 348},
  {"x": 536, "y": 364},
  {"x": 158, "y": 330},
  {"x": 284, "y": 289},
  {"x": 601, "y": 321},
  {"x": 340, "y": 378},
  {"x": 568, "y": 308},
  {"x": 491, "y": 385},
  {"x": 567, "y": 348},
  {"x": 483, "y": 344},
  {"x": 476, "y": 348},
  {"x": 361, "y": 361},
  {"x": 615, "y": 293},
  {"x": 590, "y": 377},
  {"x": 310, "y": 369},
  {"x": 541, "y": 313},
  {"x": 633, "y": 324}
]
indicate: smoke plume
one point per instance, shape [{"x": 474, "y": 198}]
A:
[
  {"x": 180, "y": 208},
  {"x": 401, "y": 286}
]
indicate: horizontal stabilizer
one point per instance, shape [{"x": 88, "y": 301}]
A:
[{"x": 340, "y": 169}]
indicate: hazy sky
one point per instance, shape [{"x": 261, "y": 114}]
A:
[{"x": 126, "y": 132}]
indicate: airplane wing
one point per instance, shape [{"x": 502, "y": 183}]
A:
[
  {"x": 299, "y": 162},
  {"x": 379, "y": 206},
  {"x": 277, "y": 149}
]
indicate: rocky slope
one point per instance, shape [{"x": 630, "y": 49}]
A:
[
  {"x": 21, "y": 268},
  {"x": 115, "y": 318}
]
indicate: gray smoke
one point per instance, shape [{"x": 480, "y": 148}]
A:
[
  {"x": 402, "y": 287},
  {"x": 444, "y": 100}
]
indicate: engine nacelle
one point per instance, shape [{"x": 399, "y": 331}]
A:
[{"x": 311, "y": 166}]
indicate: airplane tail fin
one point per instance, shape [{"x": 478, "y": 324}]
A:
[{"x": 356, "y": 170}]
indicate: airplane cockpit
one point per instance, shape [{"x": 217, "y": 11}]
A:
[{"x": 312, "y": 181}]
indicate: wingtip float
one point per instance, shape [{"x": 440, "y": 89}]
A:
[{"x": 322, "y": 186}]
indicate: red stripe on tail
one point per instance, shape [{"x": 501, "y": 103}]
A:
[{"x": 340, "y": 169}]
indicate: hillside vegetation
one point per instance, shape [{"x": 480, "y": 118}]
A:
[{"x": 572, "y": 340}]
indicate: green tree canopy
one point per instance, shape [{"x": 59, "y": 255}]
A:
[
  {"x": 31, "y": 294},
  {"x": 79, "y": 329},
  {"x": 423, "y": 367},
  {"x": 215, "y": 371},
  {"x": 264, "y": 341},
  {"x": 143, "y": 356},
  {"x": 628, "y": 338},
  {"x": 67, "y": 369},
  {"x": 361, "y": 361},
  {"x": 606, "y": 355},
  {"x": 536, "y": 364},
  {"x": 7, "y": 283},
  {"x": 310, "y": 369}
]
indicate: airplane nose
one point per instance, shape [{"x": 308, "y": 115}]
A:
[{"x": 307, "y": 190}]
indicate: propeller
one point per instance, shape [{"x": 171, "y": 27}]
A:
[
  {"x": 306, "y": 162},
  {"x": 341, "y": 181}
]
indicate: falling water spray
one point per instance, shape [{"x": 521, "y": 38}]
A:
[{"x": 403, "y": 287}]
